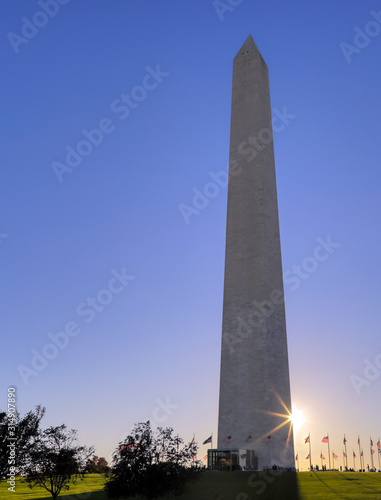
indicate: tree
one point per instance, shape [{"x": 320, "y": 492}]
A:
[
  {"x": 102, "y": 465},
  {"x": 25, "y": 430},
  {"x": 3, "y": 445},
  {"x": 152, "y": 465},
  {"x": 96, "y": 465},
  {"x": 55, "y": 460}
]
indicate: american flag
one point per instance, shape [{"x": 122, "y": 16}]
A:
[
  {"x": 325, "y": 439},
  {"x": 228, "y": 440},
  {"x": 321, "y": 456},
  {"x": 345, "y": 455},
  {"x": 209, "y": 440},
  {"x": 371, "y": 442},
  {"x": 308, "y": 456},
  {"x": 378, "y": 444},
  {"x": 344, "y": 440},
  {"x": 307, "y": 439},
  {"x": 249, "y": 439},
  {"x": 354, "y": 455},
  {"x": 334, "y": 455}
]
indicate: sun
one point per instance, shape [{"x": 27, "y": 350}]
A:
[{"x": 296, "y": 418}]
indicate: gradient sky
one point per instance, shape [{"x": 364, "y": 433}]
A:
[{"x": 157, "y": 338}]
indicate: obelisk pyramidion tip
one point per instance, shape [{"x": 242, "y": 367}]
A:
[{"x": 248, "y": 47}]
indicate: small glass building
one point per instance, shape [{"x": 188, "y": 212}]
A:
[{"x": 231, "y": 460}]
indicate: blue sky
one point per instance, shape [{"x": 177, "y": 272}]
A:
[{"x": 65, "y": 237}]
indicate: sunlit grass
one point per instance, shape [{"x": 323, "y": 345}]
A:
[{"x": 91, "y": 483}]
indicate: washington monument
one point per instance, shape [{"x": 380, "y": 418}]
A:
[{"x": 255, "y": 399}]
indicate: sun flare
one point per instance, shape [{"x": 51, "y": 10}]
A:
[{"x": 296, "y": 418}]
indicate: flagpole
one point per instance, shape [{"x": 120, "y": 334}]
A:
[
  {"x": 371, "y": 451},
  {"x": 211, "y": 453},
  {"x": 354, "y": 460},
  {"x": 321, "y": 460},
  {"x": 309, "y": 442},
  {"x": 378, "y": 453},
  {"x": 297, "y": 454},
  {"x": 359, "y": 451},
  {"x": 329, "y": 453},
  {"x": 346, "y": 455}
]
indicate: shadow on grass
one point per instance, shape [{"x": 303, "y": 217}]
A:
[
  {"x": 347, "y": 476},
  {"x": 374, "y": 476},
  {"x": 326, "y": 485},
  {"x": 266, "y": 485},
  {"x": 90, "y": 495}
]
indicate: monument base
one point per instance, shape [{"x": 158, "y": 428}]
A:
[{"x": 231, "y": 460}]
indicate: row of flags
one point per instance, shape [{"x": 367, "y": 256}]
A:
[
  {"x": 325, "y": 439},
  {"x": 267, "y": 439},
  {"x": 322, "y": 457},
  {"x": 336, "y": 456}
]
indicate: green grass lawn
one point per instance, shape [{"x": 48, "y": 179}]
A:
[
  {"x": 238, "y": 486},
  {"x": 90, "y": 487},
  {"x": 340, "y": 485}
]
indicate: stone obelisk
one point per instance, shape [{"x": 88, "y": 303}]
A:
[{"x": 255, "y": 395}]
